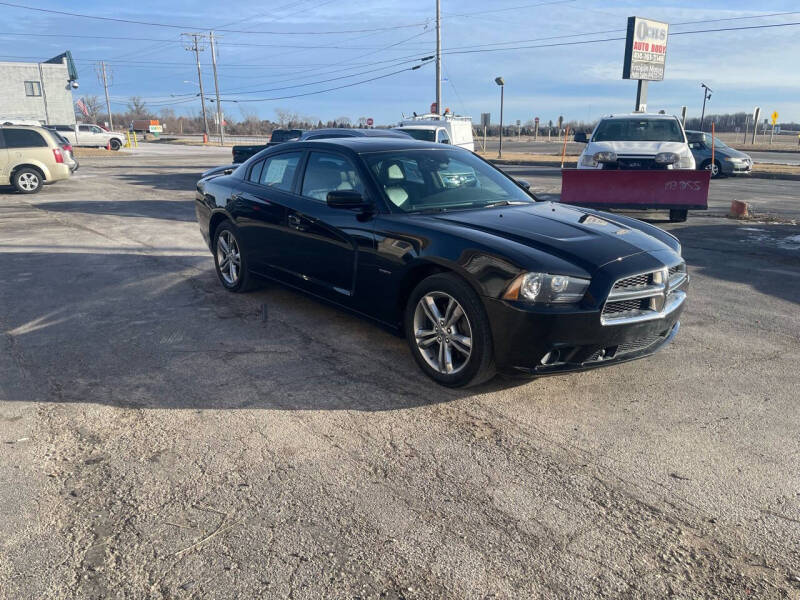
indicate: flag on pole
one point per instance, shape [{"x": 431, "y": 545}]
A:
[{"x": 82, "y": 106}]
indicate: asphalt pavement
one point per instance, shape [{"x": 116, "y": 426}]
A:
[{"x": 162, "y": 438}]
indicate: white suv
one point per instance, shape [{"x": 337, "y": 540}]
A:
[{"x": 636, "y": 141}]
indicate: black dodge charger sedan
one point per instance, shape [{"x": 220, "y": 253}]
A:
[{"x": 436, "y": 243}]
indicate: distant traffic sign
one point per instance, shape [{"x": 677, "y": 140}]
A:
[
  {"x": 774, "y": 116},
  {"x": 536, "y": 120},
  {"x": 370, "y": 121}
]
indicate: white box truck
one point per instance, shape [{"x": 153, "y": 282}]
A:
[{"x": 444, "y": 129}]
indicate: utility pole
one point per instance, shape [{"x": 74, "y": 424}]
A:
[
  {"x": 220, "y": 124},
  {"x": 104, "y": 76},
  {"x": 195, "y": 47},
  {"x": 706, "y": 96},
  {"x": 438, "y": 57}
]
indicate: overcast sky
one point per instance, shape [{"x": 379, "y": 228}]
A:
[{"x": 576, "y": 79}]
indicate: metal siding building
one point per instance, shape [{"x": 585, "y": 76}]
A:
[{"x": 38, "y": 91}]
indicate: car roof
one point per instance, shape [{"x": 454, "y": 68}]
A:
[
  {"x": 364, "y": 145},
  {"x": 638, "y": 115},
  {"x": 348, "y": 132},
  {"x": 10, "y": 125}
]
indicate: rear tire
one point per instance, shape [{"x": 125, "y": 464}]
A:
[
  {"x": 678, "y": 215},
  {"x": 27, "y": 180},
  {"x": 230, "y": 259},
  {"x": 448, "y": 331}
]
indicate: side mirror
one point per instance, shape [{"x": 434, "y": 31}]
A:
[
  {"x": 526, "y": 185},
  {"x": 445, "y": 141},
  {"x": 347, "y": 199},
  {"x": 581, "y": 137}
]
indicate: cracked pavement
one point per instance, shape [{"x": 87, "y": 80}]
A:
[{"x": 161, "y": 438}]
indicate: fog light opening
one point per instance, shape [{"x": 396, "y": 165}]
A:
[{"x": 551, "y": 357}]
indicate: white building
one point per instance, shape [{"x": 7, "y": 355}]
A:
[{"x": 38, "y": 91}]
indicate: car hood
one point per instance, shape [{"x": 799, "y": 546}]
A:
[
  {"x": 587, "y": 239},
  {"x": 732, "y": 152},
  {"x": 637, "y": 148}
]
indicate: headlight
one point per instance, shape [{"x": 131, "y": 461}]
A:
[
  {"x": 666, "y": 158},
  {"x": 605, "y": 157},
  {"x": 545, "y": 288},
  {"x": 587, "y": 160}
]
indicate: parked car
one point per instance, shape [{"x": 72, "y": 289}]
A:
[
  {"x": 479, "y": 276},
  {"x": 278, "y": 136},
  {"x": 636, "y": 141},
  {"x": 30, "y": 157},
  {"x": 66, "y": 146},
  {"x": 443, "y": 129},
  {"x": 92, "y": 136},
  {"x": 727, "y": 160}
]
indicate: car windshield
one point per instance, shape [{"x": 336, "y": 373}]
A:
[
  {"x": 717, "y": 142},
  {"x": 424, "y": 135},
  {"x": 435, "y": 180},
  {"x": 638, "y": 130}
]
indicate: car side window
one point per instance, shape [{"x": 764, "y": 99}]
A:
[
  {"x": 255, "y": 172},
  {"x": 328, "y": 172},
  {"x": 441, "y": 137},
  {"x": 23, "y": 138},
  {"x": 84, "y": 128},
  {"x": 96, "y": 130},
  {"x": 278, "y": 171}
]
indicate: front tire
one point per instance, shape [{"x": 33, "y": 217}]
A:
[
  {"x": 27, "y": 181},
  {"x": 115, "y": 144},
  {"x": 448, "y": 331},
  {"x": 715, "y": 168},
  {"x": 230, "y": 259}
]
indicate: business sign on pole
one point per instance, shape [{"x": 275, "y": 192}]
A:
[
  {"x": 486, "y": 119},
  {"x": 645, "y": 49}
]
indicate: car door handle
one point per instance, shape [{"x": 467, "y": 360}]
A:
[{"x": 294, "y": 221}]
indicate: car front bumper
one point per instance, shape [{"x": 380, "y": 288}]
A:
[{"x": 553, "y": 340}]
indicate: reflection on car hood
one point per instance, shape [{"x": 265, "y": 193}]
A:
[
  {"x": 588, "y": 239},
  {"x": 637, "y": 148}
]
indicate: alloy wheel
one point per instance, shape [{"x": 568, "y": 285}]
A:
[
  {"x": 228, "y": 258},
  {"x": 442, "y": 332},
  {"x": 28, "y": 181}
]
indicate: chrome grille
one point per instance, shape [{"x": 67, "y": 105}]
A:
[
  {"x": 613, "y": 308},
  {"x": 645, "y": 296},
  {"x": 632, "y": 282}
]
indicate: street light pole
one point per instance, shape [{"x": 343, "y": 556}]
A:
[
  {"x": 706, "y": 96},
  {"x": 438, "y": 57},
  {"x": 499, "y": 81}
]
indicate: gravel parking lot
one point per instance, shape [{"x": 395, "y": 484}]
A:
[{"x": 161, "y": 438}]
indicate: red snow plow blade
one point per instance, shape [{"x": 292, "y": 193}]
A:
[{"x": 669, "y": 189}]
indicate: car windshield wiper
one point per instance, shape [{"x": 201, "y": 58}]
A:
[{"x": 502, "y": 203}]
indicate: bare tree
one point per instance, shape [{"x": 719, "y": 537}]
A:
[
  {"x": 362, "y": 122},
  {"x": 286, "y": 117},
  {"x": 137, "y": 109},
  {"x": 94, "y": 107},
  {"x": 343, "y": 122}
]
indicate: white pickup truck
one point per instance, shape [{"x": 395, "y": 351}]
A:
[{"x": 84, "y": 134}]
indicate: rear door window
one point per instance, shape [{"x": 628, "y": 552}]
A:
[
  {"x": 23, "y": 138},
  {"x": 277, "y": 171},
  {"x": 328, "y": 172}
]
